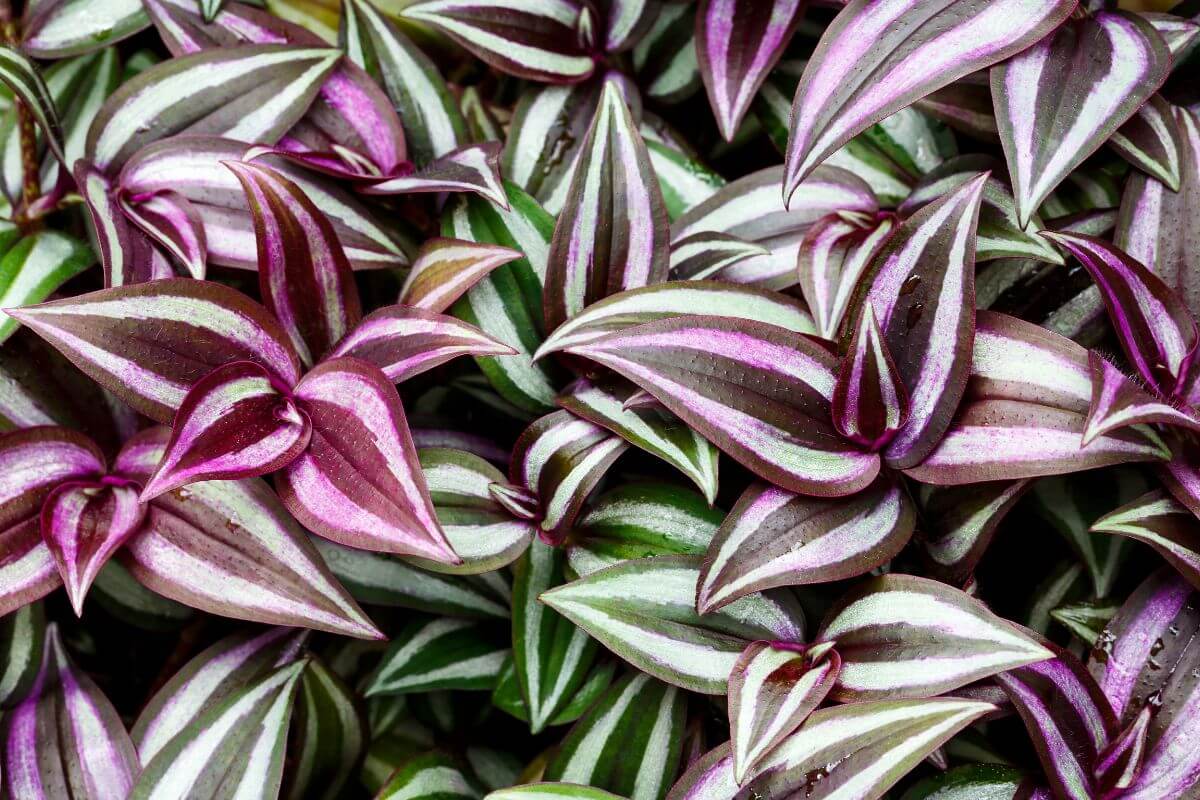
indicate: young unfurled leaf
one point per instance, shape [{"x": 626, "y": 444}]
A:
[
  {"x": 438, "y": 654},
  {"x": 629, "y": 742},
  {"x": 173, "y": 223},
  {"x": 1118, "y": 401},
  {"x": 1159, "y": 520},
  {"x": 445, "y": 269},
  {"x": 901, "y": 636},
  {"x": 35, "y": 267},
  {"x": 833, "y": 257},
  {"x": 65, "y": 737},
  {"x": 870, "y": 402},
  {"x": 876, "y": 59},
  {"x": 644, "y": 610},
  {"x": 471, "y": 168},
  {"x": 1058, "y": 101},
  {"x": 1152, "y": 141},
  {"x": 776, "y": 538}
]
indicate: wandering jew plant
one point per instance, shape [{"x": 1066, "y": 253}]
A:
[{"x": 600, "y": 399}]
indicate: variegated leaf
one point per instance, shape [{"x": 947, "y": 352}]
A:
[
  {"x": 35, "y": 267},
  {"x": 22, "y": 634},
  {"x": 70, "y": 27},
  {"x": 507, "y": 694},
  {"x": 1119, "y": 401},
  {"x": 705, "y": 254},
  {"x": 21, "y": 75},
  {"x": 1152, "y": 142},
  {"x": 876, "y": 59},
  {"x": 665, "y": 58},
  {"x": 1058, "y": 101},
  {"x": 833, "y": 257},
  {"x": 870, "y": 402},
  {"x": 471, "y": 168},
  {"x": 437, "y": 654},
  {"x": 1161, "y": 521},
  {"x": 775, "y": 538},
  {"x": 958, "y": 523},
  {"x": 549, "y": 790},
  {"x": 445, "y": 269},
  {"x": 884, "y": 628},
  {"x": 644, "y": 610},
  {"x": 174, "y": 224},
  {"x": 970, "y": 781},
  {"x": 329, "y": 736},
  {"x": 432, "y": 776}
]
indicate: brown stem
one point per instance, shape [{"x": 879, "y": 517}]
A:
[{"x": 30, "y": 164}]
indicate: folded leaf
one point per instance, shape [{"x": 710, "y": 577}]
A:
[
  {"x": 833, "y": 257},
  {"x": 472, "y": 168},
  {"x": 630, "y": 742},
  {"x": 665, "y": 57},
  {"x": 870, "y": 402},
  {"x": 149, "y": 343},
  {"x": 644, "y": 610},
  {"x": 251, "y": 94},
  {"x": 772, "y": 689},
  {"x": 21, "y": 75},
  {"x": 65, "y": 738},
  {"x": 445, "y": 269},
  {"x": 1058, "y": 101},
  {"x": 1120, "y": 763},
  {"x": 1152, "y": 142},
  {"x": 776, "y": 538},
  {"x": 303, "y": 274},
  {"x": 175, "y": 225},
  {"x": 330, "y": 735},
  {"x": 127, "y": 254},
  {"x": 901, "y": 636},
  {"x": 541, "y": 41},
  {"x": 438, "y": 654},
  {"x": 770, "y": 408},
  {"x": 35, "y": 267},
  {"x": 612, "y": 234},
  {"x": 1162, "y": 522},
  {"x": 855, "y": 750},
  {"x": 358, "y": 482},
  {"x": 875, "y": 59}
]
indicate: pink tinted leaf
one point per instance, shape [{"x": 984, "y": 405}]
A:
[
  {"x": 404, "y": 341},
  {"x": 170, "y": 220},
  {"x": 126, "y": 253},
  {"x": 445, "y": 269},
  {"x": 472, "y": 168},
  {"x": 770, "y": 408},
  {"x": 234, "y": 423},
  {"x": 870, "y": 402},
  {"x": 184, "y": 30},
  {"x": 83, "y": 524},
  {"x": 1119, "y": 764},
  {"x": 1161, "y": 521},
  {"x": 835, "y": 253},
  {"x": 149, "y": 343},
  {"x": 303, "y": 274},
  {"x": 359, "y": 482},
  {"x": 1118, "y": 402}
]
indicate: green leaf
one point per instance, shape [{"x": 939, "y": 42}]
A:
[
  {"x": 35, "y": 267},
  {"x": 507, "y": 694},
  {"x": 21, "y": 75},
  {"x": 439, "y": 654},
  {"x": 969, "y": 782},
  {"x": 433, "y": 776},
  {"x": 21, "y": 635},
  {"x": 551, "y": 791},
  {"x": 123, "y": 597},
  {"x": 329, "y": 736}
]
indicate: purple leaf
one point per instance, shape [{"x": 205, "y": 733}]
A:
[
  {"x": 184, "y": 30},
  {"x": 1120, "y": 763},
  {"x": 303, "y": 274},
  {"x": 1161, "y": 521},
  {"x": 612, "y": 234},
  {"x": 359, "y": 482},
  {"x": 471, "y": 168},
  {"x": 922, "y": 290},
  {"x": 1068, "y": 718},
  {"x": 445, "y": 269},
  {"x": 235, "y": 422},
  {"x": 958, "y": 523},
  {"x": 870, "y": 402},
  {"x": 776, "y": 538},
  {"x": 404, "y": 341},
  {"x": 1152, "y": 141},
  {"x": 543, "y": 40},
  {"x": 170, "y": 220},
  {"x": 230, "y": 548},
  {"x": 1156, "y": 330},
  {"x": 772, "y": 689},
  {"x": 1118, "y": 402},
  {"x": 126, "y": 253},
  {"x": 875, "y": 59},
  {"x": 833, "y": 257},
  {"x": 770, "y": 408},
  {"x": 83, "y": 523},
  {"x": 1058, "y": 101},
  {"x": 65, "y": 739},
  {"x": 737, "y": 44}
]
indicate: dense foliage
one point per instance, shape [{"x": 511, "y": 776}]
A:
[{"x": 600, "y": 399}]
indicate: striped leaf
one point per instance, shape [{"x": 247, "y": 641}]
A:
[
  {"x": 119, "y": 594},
  {"x": 65, "y": 739},
  {"x": 870, "y": 402},
  {"x": 1058, "y": 101},
  {"x": 707, "y": 254},
  {"x": 644, "y": 610},
  {"x": 387, "y": 580},
  {"x": 737, "y": 44},
  {"x": 445, "y": 269},
  {"x": 507, "y": 694},
  {"x": 833, "y": 257},
  {"x": 433, "y": 125},
  {"x": 654, "y": 430},
  {"x": 1159, "y": 520},
  {"x": 1120, "y": 763},
  {"x": 1119, "y": 401},
  {"x": 637, "y": 520},
  {"x": 374, "y": 495},
  {"x": 552, "y": 656},
  {"x": 437, "y": 654},
  {"x": 471, "y": 168},
  {"x": 775, "y": 538},
  {"x": 770, "y": 411},
  {"x": 192, "y": 167},
  {"x": 35, "y": 267},
  {"x": 750, "y": 208},
  {"x": 772, "y": 689},
  {"x": 676, "y": 298},
  {"x": 921, "y": 289},
  {"x": 22, "y": 634},
  {"x": 208, "y": 679},
  {"x": 507, "y": 304},
  {"x": 561, "y": 458},
  {"x": 546, "y": 40},
  {"x": 629, "y": 743},
  {"x": 72, "y": 27},
  {"x": 303, "y": 274},
  {"x": 127, "y": 254},
  {"x": 21, "y": 75},
  {"x": 855, "y": 750},
  {"x": 970, "y": 781},
  {"x": 887, "y": 626},
  {"x": 329, "y": 736},
  {"x": 128, "y": 339},
  {"x": 875, "y": 59},
  {"x": 612, "y": 233},
  {"x": 546, "y": 791},
  {"x": 234, "y": 423},
  {"x": 1153, "y": 219},
  {"x": 230, "y": 548},
  {"x": 404, "y": 341},
  {"x": 965, "y": 106},
  {"x": 1152, "y": 142},
  {"x": 1025, "y": 411},
  {"x": 665, "y": 58},
  {"x": 683, "y": 179},
  {"x": 1068, "y": 718},
  {"x": 432, "y": 776},
  {"x": 958, "y": 523},
  {"x": 170, "y": 220},
  {"x": 234, "y": 748},
  {"x": 249, "y": 94}
]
